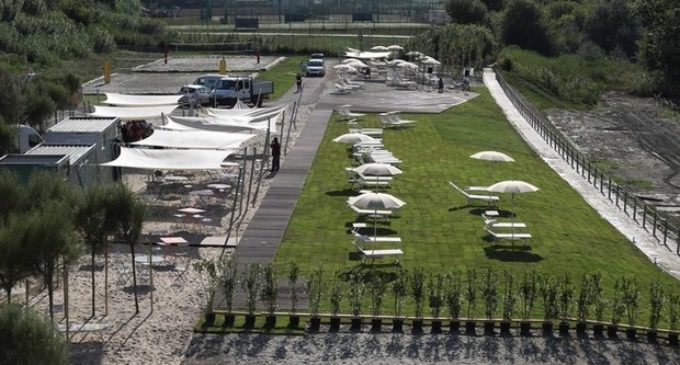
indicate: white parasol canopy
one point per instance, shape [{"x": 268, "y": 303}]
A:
[
  {"x": 512, "y": 187},
  {"x": 415, "y": 54},
  {"x": 430, "y": 61},
  {"x": 356, "y": 63},
  {"x": 410, "y": 65},
  {"x": 133, "y": 113},
  {"x": 157, "y": 159},
  {"x": 378, "y": 169},
  {"x": 140, "y": 100},
  {"x": 395, "y": 47},
  {"x": 345, "y": 68},
  {"x": 366, "y": 55},
  {"x": 379, "y": 48},
  {"x": 354, "y": 138},
  {"x": 194, "y": 139},
  {"x": 492, "y": 156},
  {"x": 376, "y": 201}
]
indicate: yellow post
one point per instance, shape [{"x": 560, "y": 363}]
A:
[
  {"x": 223, "y": 66},
  {"x": 107, "y": 72}
]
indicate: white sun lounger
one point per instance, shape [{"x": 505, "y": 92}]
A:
[
  {"x": 494, "y": 224},
  {"x": 478, "y": 188},
  {"x": 508, "y": 236},
  {"x": 378, "y": 254},
  {"x": 384, "y": 214},
  {"x": 373, "y": 132},
  {"x": 489, "y": 199}
]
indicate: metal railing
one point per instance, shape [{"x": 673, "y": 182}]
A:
[{"x": 646, "y": 215}]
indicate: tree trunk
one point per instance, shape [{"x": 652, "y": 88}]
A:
[
  {"x": 93, "y": 281},
  {"x": 9, "y": 295},
  {"x": 134, "y": 278},
  {"x": 50, "y": 294},
  {"x": 106, "y": 279}
]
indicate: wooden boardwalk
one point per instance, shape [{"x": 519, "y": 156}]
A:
[{"x": 265, "y": 231}]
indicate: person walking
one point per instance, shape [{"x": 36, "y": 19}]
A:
[
  {"x": 276, "y": 154},
  {"x": 298, "y": 82},
  {"x": 440, "y": 85}
]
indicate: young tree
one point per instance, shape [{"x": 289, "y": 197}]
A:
[
  {"x": 129, "y": 213},
  {"x": 17, "y": 253},
  {"x": 95, "y": 222},
  {"x": 522, "y": 25},
  {"x": 28, "y": 339},
  {"x": 12, "y": 195}
]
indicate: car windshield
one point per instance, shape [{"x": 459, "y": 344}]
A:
[
  {"x": 185, "y": 90},
  {"x": 315, "y": 63}
]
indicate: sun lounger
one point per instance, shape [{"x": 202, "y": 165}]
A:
[
  {"x": 489, "y": 199},
  {"x": 494, "y": 224},
  {"x": 392, "y": 120},
  {"x": 373, "y": 132},
  {"x": 477, "y": 188},
  {"x": 384, "y": 214},
  {"x": 508, "y": 236},
  {"x": 374, "y": 254}
]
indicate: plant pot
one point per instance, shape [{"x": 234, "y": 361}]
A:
[
  {"x": 598, "y": 330},
  {"x": 436, "y": 326},
  {"x": 581, "y": 328},
  {"x": 454, "y": 327},
  {"x": 417, "y": 326},
  {"x": 547, "y": 328},
  {"x": 505, "y": 328},
  {"x": 397, "y": 325},
  {"x": 525, "y": 328},
  {"x": 652, "y": 336},
  {"x": 631, "y": 334},
  {"x": 489, "y": 327},
  {"x": 250, "y": 321},
  {"x": 611, "y": 331},
  {"x": 335, "y": 324},
  {"x": 564, "y": 328},
  {"x": 356, "y": 324},
  {"x": 229, "y": 320},
  {"x": 209, "y": 319},
  {"x": 293, "y": 321},
  {"x": 673, "y": 338},
  {"x": 270, "y": 321},
  {"x": 470, "y": 328},
  {"x": 314, "y": 324},
  {"x": 376, "y": 325}
]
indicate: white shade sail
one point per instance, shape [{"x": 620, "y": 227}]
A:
[
  {"x": 133, "y": 113},
  {"x": 194, "y": 139},
  {"x": 222, "y": 125},
  {"x": 367, "y": 55},
  {"x": 377, "y": 169},
  {"x": 492, "y": 156},
  {"x": 379, "y": 48},
  {"x": 141, "y": 100},
  {"x": 395, "y": 47},
  {"x": 245, "y": 111},
  {"x": 157, "y": 159}
]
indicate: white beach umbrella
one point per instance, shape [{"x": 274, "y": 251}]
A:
[
  {"x": 376, "y": 201},
  {"x": 395, "y": 47},
  {"x": 395, "y": 63},
  {"x": 349, "y": 60},
  {"x": 512, "y": 187},
  {"x": 379, "y": 49},
  {"x": 430, "y": 61},
  {"x": 492, "y": 156},
  {"x": 415, "y": 54},
  {"x": 378, "y": 169},
  {"x": 354, "y": 138}
]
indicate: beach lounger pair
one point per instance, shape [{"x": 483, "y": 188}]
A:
[
  {"x": 392, "y": 120},
  {"x": 490, "y": 200}
]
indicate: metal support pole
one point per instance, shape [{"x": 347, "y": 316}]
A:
[
  {"x": 654, "y": 224},
  {"x": 644, "y": 216},
  {"x": 250, "y": 180},
  {"x": 243, "y": 185},
  {"x": 617, "y": 195},
  {"x": 609, "y": 189},
  {"x": 635, "y": 209},
  {"x": 625, "y": 201},
  {"x": 665, "y": 231}
]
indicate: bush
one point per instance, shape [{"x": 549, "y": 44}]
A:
[
  {"x": 467, "y": 11},
  {"x": 28, "y": 339},
  {"x": 522, "y": 25},
  {"x": 612, "y": 25}
]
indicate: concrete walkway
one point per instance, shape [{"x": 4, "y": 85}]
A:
[{"x": 664, "y": 257}]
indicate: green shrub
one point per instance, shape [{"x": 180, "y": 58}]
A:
[{"x": 28, "y": 339}]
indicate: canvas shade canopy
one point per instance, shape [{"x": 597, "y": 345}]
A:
[
  {"x": 378, "y": 169},
  {"x": 133, "y": 113},
  {"x": 220, "y": 125},
  {"x": 366, "y": 55},
  {"x": 244, "y": 111},
  {"x": 354, "y": 138},
  {"x": 395, "y": 47},
  {"x": 140, "y": 100},
  {"x": 379, "y": 48},
  {"x": 157, "y": 159},
  {"x": 194, "y": 139}
]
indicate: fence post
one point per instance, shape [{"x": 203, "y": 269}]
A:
[
  {"x": 617, "y": 194},
  {"x": 625, "y": 201},
  {"x": 609, "y": 189},
  {"x": 665, "y": 231},
  {"x": 644, "y": 216},
  {"x": 677, "y": 243},
  {"x": 635, "y": 209},
  {"x": 601, "y": 183},
  {"x": 654, "y": 225}
]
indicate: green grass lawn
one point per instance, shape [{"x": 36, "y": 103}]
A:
[
  {"x": 440, "y": 233},
  {"x": 283, "y": 75}
]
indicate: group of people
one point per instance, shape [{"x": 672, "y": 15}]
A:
[{"x": 135, "y": 130}]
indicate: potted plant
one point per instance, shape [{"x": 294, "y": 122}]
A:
[
  {"x": 490, "y": 294},
  {"x": 269, "y": 293},
  {"x": 418, "y": 291},
  {"x": 673, "y": 311},
  {"x": 357, "y": 289},
  {"x": 548, "y": 288},
  {"x": 471, "y": 299},
  {"x": 631, "y": 299},
  {"x": 210, "y": 276},
  {"x": 583, "y": 304},
  {"x": 655, "y": 306},
  {"x": 566, "y": 292},
  {"x": 436, "y": 299},
  {"x": 250, "y": 283},
  {"x": 314, "y": 287},
  {"x": 453, "y": 301},
  {"x": 399, "y": 291},
  {"x": 599, "y": 302},
  {"x": 527, "y": 296},
  {"x": 617, "y": 308},
  {"x": 230, "y": 280},
  {"x": 377, "y": 291},
  {"x": 335, "y": 296},
  {"x": 293, "y": 276},
  {"x": 508, "y": 303}
]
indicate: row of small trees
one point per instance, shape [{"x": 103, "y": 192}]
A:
[
  {"x": 44, "y": 224},
  {"x": 502, "y": 296}
]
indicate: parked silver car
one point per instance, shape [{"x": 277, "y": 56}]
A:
[
  {"x": 315, "y": 67},
  {"x": 196, "y": 94}
]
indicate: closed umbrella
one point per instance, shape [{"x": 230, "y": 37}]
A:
[
  {"x": 376, "y": 201},
  {"x": 512, "y": 187},
  {"x": 378, "y": 169},
  {"x": 354, "y": 138}
]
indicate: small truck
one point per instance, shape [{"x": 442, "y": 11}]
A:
[{"x": 225, "y": 90}]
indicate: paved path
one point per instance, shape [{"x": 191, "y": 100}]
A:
[{"x": 648, "y": 244}]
